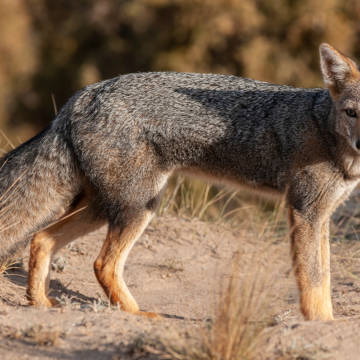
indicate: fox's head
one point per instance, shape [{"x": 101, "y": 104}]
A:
[{"x": 342, "y": 77}]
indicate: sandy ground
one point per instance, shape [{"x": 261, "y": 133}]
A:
[{"x": 173, "y": 269}]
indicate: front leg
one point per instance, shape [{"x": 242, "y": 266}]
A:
[
  {"x": 311, "y": 262},
  {"x": 325, "y": 263}
]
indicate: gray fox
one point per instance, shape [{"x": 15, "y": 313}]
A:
[{"x": 112, "y": 147}]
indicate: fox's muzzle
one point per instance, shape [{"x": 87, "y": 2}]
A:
[
  {"x": 356, "y": 144},
  {"x": 354, "y": 132}
]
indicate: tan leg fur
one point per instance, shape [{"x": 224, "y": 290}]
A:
[
  {"x": 46, "y": 243},
  {"x": 326, "y": 277},
  {"x": 311, "y": 259},
  {"x": 109, "y": 265}
]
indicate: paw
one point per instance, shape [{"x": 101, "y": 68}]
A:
[
  {"x": 342, "y": 320},
  {"x": 149, "y": 315},
  {"x": 315, "y": 305},
  {"x": 44, "y": 302},
  {"x": 318, "y": 314},
  {"x": 53, "y": 302}
]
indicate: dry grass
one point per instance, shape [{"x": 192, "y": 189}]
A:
[
  {"x": 243, "y": 311},
  {"x": 345, "y": 235},
  {"x": 247, "y": 303},
  {"x": 206, "y": 202},
  {"x": 10, "y": 292},
  {"x": 172, "y": 265}
]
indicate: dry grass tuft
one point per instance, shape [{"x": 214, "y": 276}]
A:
[
  {"x": 7, "y": 265},
  {"x": 172, "y": 265},
  {"x": 10, "y": 292},
  {"x": 206, "y": 202},
  {"x": 246, "y": 304}
]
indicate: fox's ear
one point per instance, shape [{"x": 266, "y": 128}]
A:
[{"x": 337, "y": 69}]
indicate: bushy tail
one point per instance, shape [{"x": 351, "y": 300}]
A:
[{"x": 38, "y": 181}]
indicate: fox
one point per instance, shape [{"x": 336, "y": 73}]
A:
[{"x": 108, "y": 154}]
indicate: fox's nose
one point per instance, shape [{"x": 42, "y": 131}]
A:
[{"x": 358, "y": 144}]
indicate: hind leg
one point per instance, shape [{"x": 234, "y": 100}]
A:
[
  {"x": 47, "y": 242},
  {"x": 110, "y": 263}
]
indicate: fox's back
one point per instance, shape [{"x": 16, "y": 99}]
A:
[{"x": 215, "y": 123}]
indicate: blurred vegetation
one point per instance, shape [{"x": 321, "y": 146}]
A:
[
  {"x": 57, "y": 47},
  {"x": 51, "y": 49}
]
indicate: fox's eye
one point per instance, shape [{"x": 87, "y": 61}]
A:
[{"x": 351, "y": 112}]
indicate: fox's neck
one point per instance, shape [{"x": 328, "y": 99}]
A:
[
  {"x": 351, "y": 165},
  {"x": 348, "y": 160}
]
